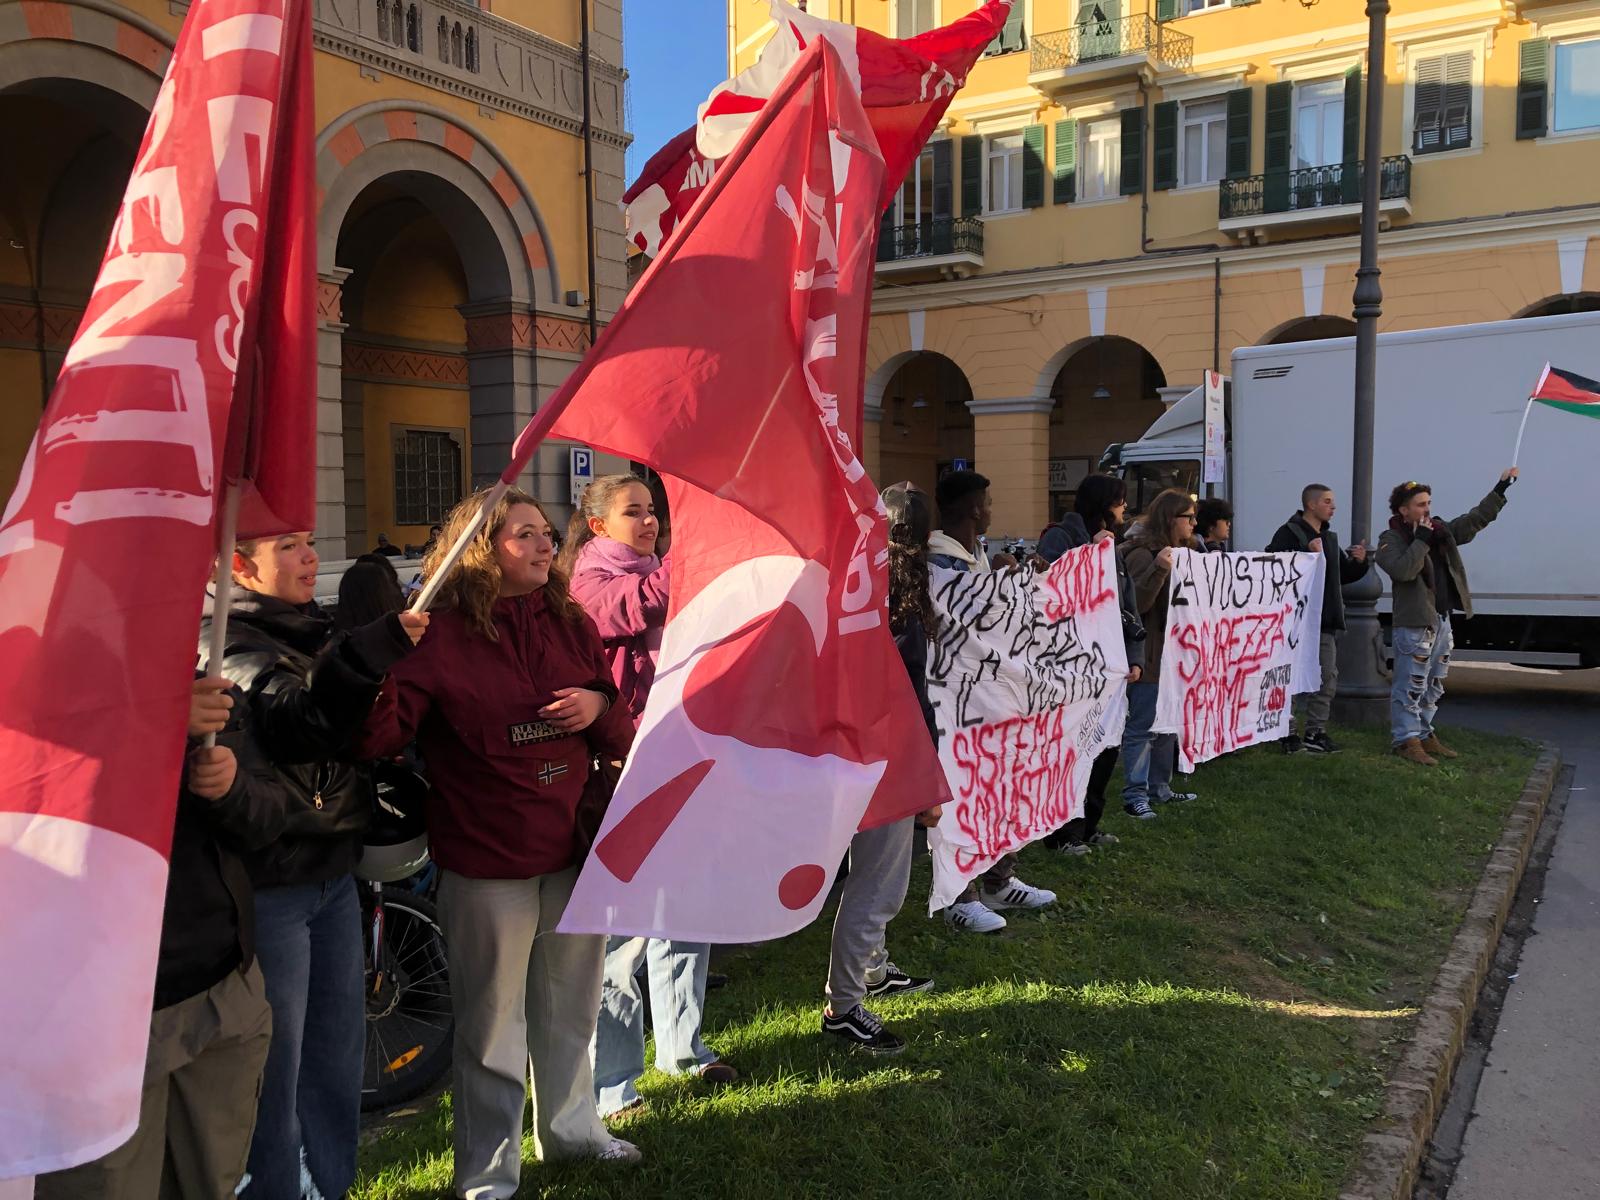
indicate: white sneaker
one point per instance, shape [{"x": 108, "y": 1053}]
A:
[
  {"x": 972, "y": 916},
  {"x": 619, "y": 1151},
  {"x": 1015, "y": 894}
]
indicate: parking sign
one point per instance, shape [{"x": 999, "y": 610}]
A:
[{"x": 582, "y": 471}]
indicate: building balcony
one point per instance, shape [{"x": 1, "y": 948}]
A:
[
  {"x": 1311, "y": 194},
  {"x": 1096, "y": 50},
  {"x": 950, "y": 246}
]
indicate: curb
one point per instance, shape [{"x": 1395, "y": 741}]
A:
[{"x": 1390, "y": 1156}]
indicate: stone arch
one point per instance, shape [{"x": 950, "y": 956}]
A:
[
  {"x": 1309, "y": 329},
  {"x": 461, "y": 173},
  {"x": 1561, "y": 305},
  {"x": 1104, "y": 390},
  {"x": 925, "y": 418},
  {"x": 93, "y": 43}
]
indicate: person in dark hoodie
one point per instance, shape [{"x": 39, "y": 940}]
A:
[
  {"x": 1309, "y": 530},
  {"x": 306, "y": 697},
  {"x": 211, "y": 1023},
  {"x": 880, "y": 859},
  {"x": 1099, "y": 506},
  {"x": 510, "y": 699}
]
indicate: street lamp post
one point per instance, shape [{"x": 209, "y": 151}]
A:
[{"x": 1363, "y": 681}]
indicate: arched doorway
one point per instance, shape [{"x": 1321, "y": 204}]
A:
[
  {"x": 1108, "y": 390},
  {"x": 1312, "y": 329},
  {"x": 927, "y": 427},
  {"x": 68, "y": 144},
  {"x": 1564, "y": 305}
]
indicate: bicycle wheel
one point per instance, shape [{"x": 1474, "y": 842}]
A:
[{"x": 409, "y": 1020}]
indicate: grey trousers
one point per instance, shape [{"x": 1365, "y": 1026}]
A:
[
  {"x": 1318, "y": 705},
  {"x": 880, "y": 872},
  {"x": 522, "y": 994}
]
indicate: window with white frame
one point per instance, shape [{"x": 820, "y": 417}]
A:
[
  {"x": 1204, "y": 140},
  {"x": 1005, "y": 174},
  {"x": 912, "y": 17},
  {"x": 1194, "y": 6},
  {"x": 1575, "y": 90},
  {"x": 1442, "y": 103},
  {"x": 1100, "y": 162}
]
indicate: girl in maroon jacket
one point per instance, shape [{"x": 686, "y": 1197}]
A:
[
  {"x": 622, "y": 583},
  {"x": 507, "y": 697}
]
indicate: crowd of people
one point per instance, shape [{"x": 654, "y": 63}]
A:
[{"x": 521, "y": 693}]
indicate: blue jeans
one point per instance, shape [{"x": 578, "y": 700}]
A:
[
  {"x": 1421, "y": 663},
  {"x": 1147, "y": 758},
  {"x": 308, "y": 941},
  {"x": 677, "y": 975}
]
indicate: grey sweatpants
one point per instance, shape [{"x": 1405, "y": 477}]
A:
[
  {"x": 1318, "y": 705},
  {"x": 521, "y": 993},
  {"x": 880, "y": 872}
]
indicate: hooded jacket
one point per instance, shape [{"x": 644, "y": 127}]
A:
[
  {"x": 505, "y": 783},
  {"x": 625, "y": 594},
  {"x": 307, "y": 697},
  {"x": 1296, "y": 535},
  {"x": 1404, "y": 556},
  {"x": 945, "y": 551}
]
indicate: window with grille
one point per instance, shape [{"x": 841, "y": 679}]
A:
[
  {"x": 1443, "y": 103},
  {"x": 427, "y": 475}
]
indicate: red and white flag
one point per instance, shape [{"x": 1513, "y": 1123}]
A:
[
  {"x": 106, "y": 545},
  {"x": 781, "y": 719},
  {"x": 905, "y": 85}
]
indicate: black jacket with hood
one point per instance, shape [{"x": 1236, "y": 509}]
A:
[
  {"x": 1296, "y": 535},
  {"x": 307, "y": 697}
]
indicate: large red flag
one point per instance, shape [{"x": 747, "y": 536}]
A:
[
  {"x": 106, "y": 545},
  {"x": 781, "y": 719}
]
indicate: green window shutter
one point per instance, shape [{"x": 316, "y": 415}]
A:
[
  {"x": 944, "y": 177},
  {"x": 1239, "y": 133},
  {"x": 1164, "y": 155},
  {"x": 1533, "y": 88},
  {"x": 1011, "y": 36},
  {"x": 1132, "y": 151},
  {"x": 1066, "y": 174},
  {"x": 1350, "y": 172},
  {"x": 887, "y": 251},
  {"x": 1275, "y": 187},
  {"x": 1242, "y": 3},
  {"x": 1033, "y": 166},
  {"x": 971, "y": 175},
  {"x": 1166, "y": 10}
]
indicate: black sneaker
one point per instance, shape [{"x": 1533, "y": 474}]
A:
[
  {"x": 896, "y": 982},
  {"x": 1320, "y": 743},
  {"x": 1292, "y": 744},
  {"x": 862, "y": 1030},
  {"x": 1140, "y": 810}
]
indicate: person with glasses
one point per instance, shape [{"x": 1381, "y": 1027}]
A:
[{"x": 1148, "y": 758}]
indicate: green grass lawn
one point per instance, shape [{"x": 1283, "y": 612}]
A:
[{"x": 1210, "y": 1010}]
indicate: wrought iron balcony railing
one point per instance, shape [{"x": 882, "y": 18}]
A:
[
  {"x": 1097, "y": 39},
  {"x": 1309, "y": 188},
  {"x": 931, "y": 237}
]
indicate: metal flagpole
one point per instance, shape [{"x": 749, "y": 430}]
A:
[{"x": 430, "y": 590}]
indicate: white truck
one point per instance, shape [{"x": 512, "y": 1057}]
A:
[{"x": 1448, "y": 405}]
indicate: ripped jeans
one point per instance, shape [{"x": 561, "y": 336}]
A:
[{"x": 1421, "y": 662}]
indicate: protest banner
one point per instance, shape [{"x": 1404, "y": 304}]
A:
[
  {"x": 1027, "y": 677},
  {"x": 1242, "y": 639}
]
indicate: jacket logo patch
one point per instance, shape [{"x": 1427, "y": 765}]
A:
[
  {"x": 551, "y": 772},
  {"x": 527, "y": 732}
]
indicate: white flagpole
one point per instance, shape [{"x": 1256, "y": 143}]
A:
[
  {"x": 430, "y": 589},
  {"x": 224, "y": 596},
  {"x": 1517, "y": 449}
]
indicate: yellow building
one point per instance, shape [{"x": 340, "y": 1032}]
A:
[
  {"x": 453, "y": 226},
  {"x": 1122, "y": 196}
]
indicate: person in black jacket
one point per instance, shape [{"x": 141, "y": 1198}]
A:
[
  {"x": 307, "y": 697},
  {"x": 1098, "y": 508},
  {"x": 880, "y": 859},
  {"x": 1309, "y": 530},
  {"x": 211, "y": 1023}
]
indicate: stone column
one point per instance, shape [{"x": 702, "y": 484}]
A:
[
  {"x": 502, "y": 376},
  {"x": 330, "y": 413},
  {"x": 1012, "y": 447},
  {"x": 870, "y": 449}
]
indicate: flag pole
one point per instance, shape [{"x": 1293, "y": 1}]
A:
[
  {"x": 224, "y": 593},
  {"x": 430, "y": 590},
  {"x": 1517, "y": 449}
]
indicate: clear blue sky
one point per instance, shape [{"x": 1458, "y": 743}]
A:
[{"x": 675, "y": 51}]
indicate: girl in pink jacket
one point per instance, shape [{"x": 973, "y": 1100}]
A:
[{"x": 618, "y": 577}]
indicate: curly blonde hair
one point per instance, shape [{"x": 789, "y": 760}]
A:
[{"x": 474, "y": 584}]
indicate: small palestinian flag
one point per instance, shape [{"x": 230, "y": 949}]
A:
[{"x": 1564, "y": 389}]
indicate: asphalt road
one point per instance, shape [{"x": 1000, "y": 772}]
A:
[{"x": 1534, "y": 1133}]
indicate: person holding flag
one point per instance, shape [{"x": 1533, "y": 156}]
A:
[{"x": 1422, "y": 555}]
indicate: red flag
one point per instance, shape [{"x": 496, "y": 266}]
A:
[
  {"x": 105, "y": 548},
  {"x": 781, "y": 718},
  {"x": 905, "y": 85}
]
